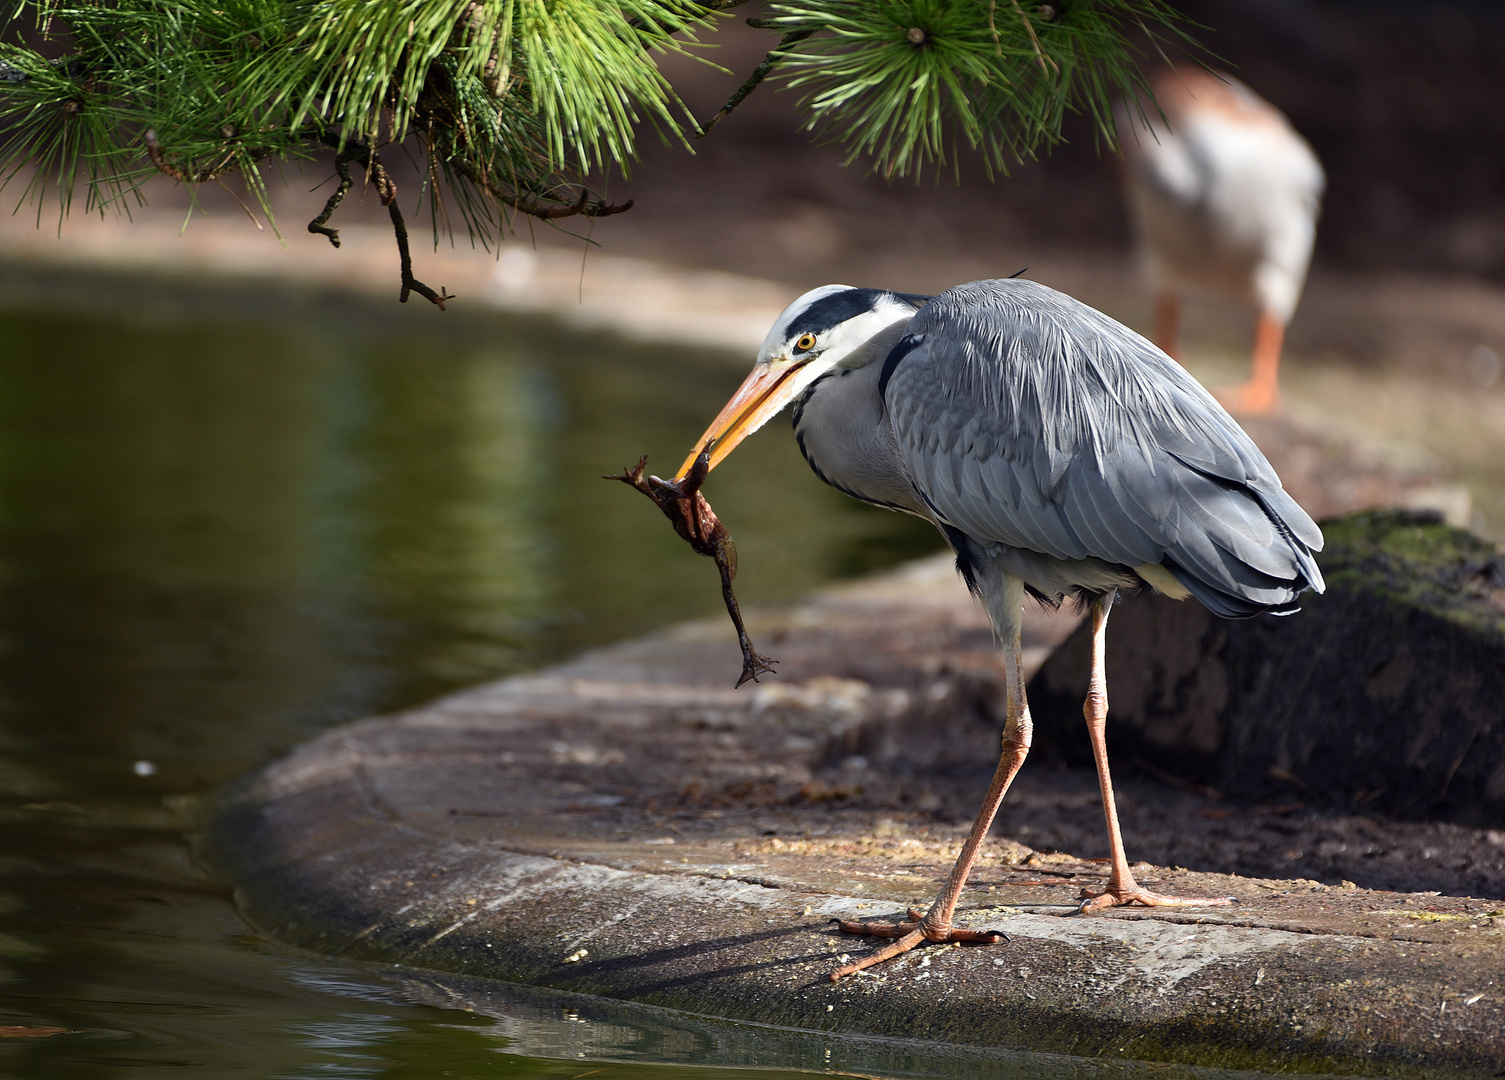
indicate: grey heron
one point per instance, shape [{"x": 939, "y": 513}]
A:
[
  {"x": 1060, "y": 454},
  {"x": 1224, "y": 195}
]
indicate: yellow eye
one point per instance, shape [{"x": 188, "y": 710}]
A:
[{"x": 805, "y": 343}]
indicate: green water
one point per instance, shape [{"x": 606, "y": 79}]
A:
[{"x": 228, "y": 523}]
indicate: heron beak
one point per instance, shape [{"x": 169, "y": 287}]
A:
[{"x": 757, "y": 400}]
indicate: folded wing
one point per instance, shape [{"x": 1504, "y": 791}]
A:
[{"x": 1030, "y": 420}]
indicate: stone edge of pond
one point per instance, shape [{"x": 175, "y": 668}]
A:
[
  {"x": 322, "y": 859},
  {"x": 325, "y": 870}
]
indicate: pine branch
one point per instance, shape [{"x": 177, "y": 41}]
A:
[
  {"x": 517, "y": 102},
  {"x": 386, "y": 191},
  {"x": 226, "y": 163},
  {"x": 902, "y": 82}
]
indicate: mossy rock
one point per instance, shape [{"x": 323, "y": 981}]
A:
[{"x": 1387, "y": 693}]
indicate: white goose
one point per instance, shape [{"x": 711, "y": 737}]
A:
[{"x": 1224, "y": 201}]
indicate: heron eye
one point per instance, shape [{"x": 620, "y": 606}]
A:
[{"x": 805, "y": 343}]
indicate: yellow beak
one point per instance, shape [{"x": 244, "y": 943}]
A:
[{"x": 756, "y": 401}]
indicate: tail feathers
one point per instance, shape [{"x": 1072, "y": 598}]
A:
[
  {"x": 1236, "y": 590},
  {"x": 1303, "y": 540},
  {"x": 1259, "y": 594}
]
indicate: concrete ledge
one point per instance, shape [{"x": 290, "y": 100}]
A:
[{"x": 628, "y": 826}]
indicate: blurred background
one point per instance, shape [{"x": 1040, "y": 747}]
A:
[{"x": 245, "y": 495}]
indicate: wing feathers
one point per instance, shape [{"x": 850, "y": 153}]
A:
[{"x": 1032, "y": 421}]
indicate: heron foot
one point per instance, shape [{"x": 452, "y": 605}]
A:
[
  {"x": 1253, "y": 398},
  {"x": 1132, "y": 892},
  {"x": 907, "y": 935}
]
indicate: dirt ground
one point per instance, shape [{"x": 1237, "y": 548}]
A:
[
  {"x": 1056, "y": 810},
  {"x": 932, "y": 763}
]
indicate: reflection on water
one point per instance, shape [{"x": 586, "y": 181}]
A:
[
  {"x": 549, "y": 1024},
  {"x": 221, "y": 534}
]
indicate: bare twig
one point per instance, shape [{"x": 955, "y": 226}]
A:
[
  {"x": 320, "y": 224},
  {"x": 581, "y": 206},
  {"x": 386, "y": 190},
  {"x": 758, "y": 75},
  {"x": 409, "y": 282},
  {"x": 531, "y": 206}
]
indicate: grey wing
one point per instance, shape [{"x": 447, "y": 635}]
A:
[{"x": 1030, "y": 420}]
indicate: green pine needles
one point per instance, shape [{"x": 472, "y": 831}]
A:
[
  {"x": 516, "y": 104},
  {"x": 899, "y": 81}
]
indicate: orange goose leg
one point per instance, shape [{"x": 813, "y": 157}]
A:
[{"x": 1261, "y": 394}]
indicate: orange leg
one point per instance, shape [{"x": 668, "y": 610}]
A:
[
  {"x": 1167, "y": 323},
  {"x": 1261, "y": 393},
  {"x": 935, "y": 924},
  {"x": 1122, "y": 888}
]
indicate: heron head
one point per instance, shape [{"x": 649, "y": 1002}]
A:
[{"x": 829, "y": 327}]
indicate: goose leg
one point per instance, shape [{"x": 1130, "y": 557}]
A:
[
  {"x": 1122, "y": 888},
  {"x": 935, "y": 924},
  {"x": 1262, "y": 392}
]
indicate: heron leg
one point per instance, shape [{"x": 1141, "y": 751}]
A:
[
  {"x": 1167, "y": 322},
  {"x": 1262, "y": 392},
  {"x": 935, "y": 924},
  {"x": 1122, "y": 888}
]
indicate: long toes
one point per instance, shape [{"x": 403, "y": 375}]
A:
[
  {"x": 888, "y": 952},
  {"x": 1101, "y": 901},
  {"x": 909, "y": 934},
  {"x": 1156, "y": 900},
  {"x": 985, "y": 937},
  {"x": 1095, "y": 902},
  {"x": 875, "y": 929}
]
